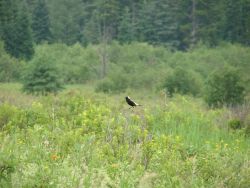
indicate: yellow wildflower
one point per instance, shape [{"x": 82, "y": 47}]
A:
[
  {"x": 54, "y": 157},
  {"x": 115, "y": 165}
]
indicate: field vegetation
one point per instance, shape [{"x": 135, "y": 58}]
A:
[
  {"x": 192, "y": 130},
  {"x": 80, "y": 138},
  {"x": 66, "y": 67}
]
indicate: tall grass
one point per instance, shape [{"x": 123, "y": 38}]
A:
[{"x": 84, "y": 139}]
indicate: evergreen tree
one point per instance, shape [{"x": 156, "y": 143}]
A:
[
  {"x": 66, "y": 20},
  {"x": 42, "y": 76},
  {"x": 130, "y": 11},
  {"x": 159, "y": 22},
  {"x": 102, "y": 25},
  {"x": 24, "y": 40},
  {"x": 108, "y": 18},
  {"x": 209, "y": 18},
  {"x": 246, "y": 22},
  {"x": 179, "y": 24},
  {"x": 125, "y": 28},
  {"x": 16, "y": 30},
  {"x": 40, "y": 22},
  {"x": 200, "y": 21},
  {"x": 237, "y": 24},
  {"x": 233, "y": 24},
  {"x": 187, "y": 24},
  {"x": 8, "y": 19},
  {"x": 92, "y": 30}
]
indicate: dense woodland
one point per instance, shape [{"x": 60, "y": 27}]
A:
[{"x": 176, "y": 24}]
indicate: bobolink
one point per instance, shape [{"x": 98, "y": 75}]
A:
[{"x": 131, "y": 102}]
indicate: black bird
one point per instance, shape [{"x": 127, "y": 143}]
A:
[{"x": 131, "y": 103}]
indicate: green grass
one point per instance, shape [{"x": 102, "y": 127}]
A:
[{"x": 83, "y": 139}]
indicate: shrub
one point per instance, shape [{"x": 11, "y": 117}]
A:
[
  {"x": 223, "y": 88},
  {"x": 7, "y": 112},
  {"x": 235, "y": 124},
  {"x": 181, "y": 81},
  {"x": 42, "y": 76},
  {"x": 104, "y": 86},
  {"x": 115, "y": 84},
  {"x": 7, "y": 168},
  {"x": 9, "y": 67}
]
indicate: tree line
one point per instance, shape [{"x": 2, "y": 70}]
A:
[{"x": 176, "y": 24}]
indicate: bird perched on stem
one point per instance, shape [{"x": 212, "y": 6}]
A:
[{"x": 131, "y": 102}]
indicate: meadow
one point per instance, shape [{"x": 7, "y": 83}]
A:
[
  {"x": 67, "y": 66},
  {"x": 80, "y": 138}
]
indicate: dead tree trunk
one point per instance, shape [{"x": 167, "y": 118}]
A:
[
  {"x": 102, "y": 50},
  {"x": 103, "y": 55}
]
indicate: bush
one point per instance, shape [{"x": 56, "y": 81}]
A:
[
  {"x": 235, "y": 124},
  {"x": 223, "y": 88},
  {"x": 104, "y": 86},
  {"x": 7, "y": 113},
  {"x": 9, "y": 67},
  {"x": 181, "y": 81},
  {"x": 42, "y": 76},
  {"x": 115, "y": 84}
]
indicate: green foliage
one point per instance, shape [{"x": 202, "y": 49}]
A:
[
  {"x": 181, "y": 81},
  {"x": 116, "y": 84},
  {"x": 16, "y": 31},
  {"x": 235, "y": 124},
  {"x": 176, "y": 24},
  {"x": 224, "y": 87},
  {"x": 141, "y": 65},
  {"x": 235, "y": 27},
  {"x": 7, "y": 167},
  {"x": 40, "y": 22},
  {"x": 42, "y": 76},
  {"x": 24, "y": 42},
  {"x": 103, "y": 144},
  {"x": 6, "y": 114},
  {"x": 104, "y": 86},
  {"x": 158, "y": 25},
  {"x": 66, "y": 20},
  {"x": 10, "y": 68},
  {"x": 76, "y": 64},
  {"x": 91, "y": 31},
  {"x": 125, "y": 28}
]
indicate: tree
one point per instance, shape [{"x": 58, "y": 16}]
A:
[
  {"x": 40, "y": 22},
  {"x": 16, "y": 31},
  {"x": 129, "y": 14},
  {"x": 115, "y": 83},
  {"x": 9, "y": 66},
  {"x": 159, "y": 22},
  {"x": 8, "y": 19},
  {"x": 24, "y": 40},
  {"x": 42, "y": 76},
  {"x": 237, "y": 16},
  {"x": 92, "y": 30},
  {"x": 66, "y": 20},
  {"x": 200, "y": 21},
  {"x": 189, "y": 23},
  {"x": 103, "y": 23},
  {"x": 181, "y": 81},
  {"x": 223, "y": 88},
  {"x": 125, "y": 28}
]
